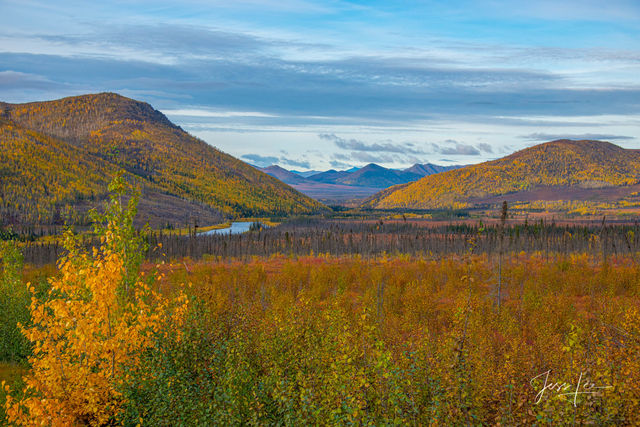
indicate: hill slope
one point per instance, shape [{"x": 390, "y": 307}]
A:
[
  {"x": 40, "y": 176},
  {"x": 68, "y": 149},
  {"x": 429, "y": 169},
  {"x": 557, "y": 164}
]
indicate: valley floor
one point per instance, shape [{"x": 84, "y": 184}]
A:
[{"x": 458, "y": 339}]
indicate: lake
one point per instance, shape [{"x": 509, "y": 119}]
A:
[{"x": 236, "y": 228}]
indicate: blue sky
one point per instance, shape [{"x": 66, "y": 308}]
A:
[{"x": 334, "y": 84}]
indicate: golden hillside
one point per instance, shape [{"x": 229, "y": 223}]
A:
[
  {"x": 562, "y": 164},
  {"x": 41, "y": 176},
  {"x": 67, "y": 150}
]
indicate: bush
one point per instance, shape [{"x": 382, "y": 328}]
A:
[
  {"x": 14, "y": 305},
  {"x": 97, "y": 318}
]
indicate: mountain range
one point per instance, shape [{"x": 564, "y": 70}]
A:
[
  {"x": 557, "y": 170},
  {"x": 57, "y": 157},
  {"x": 354, "y": 183}
]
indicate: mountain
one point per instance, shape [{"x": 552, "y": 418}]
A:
[
  {"x": 563, "y": 169},
  {"x": 331, "y": 176},
  {"x": 351, "y": 185},
  {"x": 375, "y": 176},
  {"x": 59, "y": 155},
  {"x": 305, "y": 174},
  {"x": 418, "y": 169},
  {"x": 322, "y": 191},
  {"x": 429, "y": 169},
  {"x": 288, "y": 177}
]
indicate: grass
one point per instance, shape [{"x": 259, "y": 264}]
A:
[{"x": 11, "y": 372}]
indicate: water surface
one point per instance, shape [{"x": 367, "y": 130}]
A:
[{"x": 236, "y": 228}]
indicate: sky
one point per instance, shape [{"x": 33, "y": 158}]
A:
[{"x": 312, "y": 84}]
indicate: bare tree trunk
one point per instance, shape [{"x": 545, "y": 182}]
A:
[{"x": 503, "y": 219}]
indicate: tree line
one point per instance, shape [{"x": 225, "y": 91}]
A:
[{"x": 371, "y": 238}]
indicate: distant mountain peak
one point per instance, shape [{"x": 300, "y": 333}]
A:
[
  {"x": 373, "y": 166},
  {"x": 373, "y": 176},
  {"x": 283, "y": 175}
]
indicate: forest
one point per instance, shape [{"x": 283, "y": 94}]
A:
[
  {"x": 365, "y": 320},
  {"x": 570, "y": 167},
  {"x": 369, "y": 237},
  {"x": 95, "y": 137}
]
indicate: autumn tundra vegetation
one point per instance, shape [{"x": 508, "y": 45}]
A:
[
  {"x": 324, "y": 322},
  {"x": 503, "y": 293}
]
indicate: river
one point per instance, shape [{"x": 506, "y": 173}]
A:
[{"x": 236, "y": 228}]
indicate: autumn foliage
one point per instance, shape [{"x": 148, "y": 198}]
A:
[
  {"x": 90, "y": 330},
  {"x": 563, "y": 163},
  {"x": 95, "y": 135},
  {"x": 399, "y": 340},
  {"x": 464, "y": 337}
]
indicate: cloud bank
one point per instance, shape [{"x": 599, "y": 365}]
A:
[{"x": 491, "y": 74}]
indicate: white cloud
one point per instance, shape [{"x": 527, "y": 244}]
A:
[{"x": 209, "y": 113}]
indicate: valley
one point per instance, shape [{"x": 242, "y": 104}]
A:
[
  {"x": 349, "y": 188},
  {"x": 319, "y": 213},
  {"x": 372, "y": 294}
]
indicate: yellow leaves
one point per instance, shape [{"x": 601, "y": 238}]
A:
[
  {"x": 316, "y": 340},
  {"x": 585, "y": 166},
  {"x": 52, "y": 171},
  {"x": 84, "y": 338}
]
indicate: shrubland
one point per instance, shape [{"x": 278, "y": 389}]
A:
[
  {"x": 88, "y": 331},
  {"x": 330, "y": 339},
  {"x": 342, "y": 340}
]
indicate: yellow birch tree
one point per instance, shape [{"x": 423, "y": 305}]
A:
[{"x": 97, "y": 319}]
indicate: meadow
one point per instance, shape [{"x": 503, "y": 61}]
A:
[{"x": 488, "y": 332}]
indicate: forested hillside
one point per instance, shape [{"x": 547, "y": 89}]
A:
[
  {"x": 561, "y": 164},
  {"x": 58, "y": 154},
  {"x": 41, "y": 176}
]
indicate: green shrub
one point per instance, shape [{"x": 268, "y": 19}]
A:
[{"x": 14, "y": 305}]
